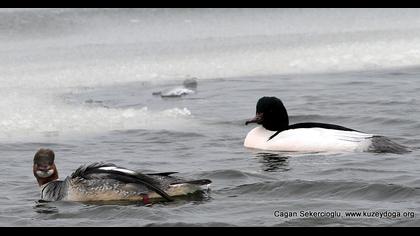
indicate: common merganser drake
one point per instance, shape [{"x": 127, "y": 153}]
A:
[
  {"x": 108, "y": 182},
  {"x": 277, "y": 135}
]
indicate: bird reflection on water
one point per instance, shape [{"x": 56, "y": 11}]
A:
[
  {"x": 43, "y": 207},
  {"x": 273, "y": 162}
]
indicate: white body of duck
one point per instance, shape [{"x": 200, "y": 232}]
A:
[{"x": 308, "y": 140}]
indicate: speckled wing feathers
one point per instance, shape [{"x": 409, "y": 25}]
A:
[{"x": 118, "y": 173}]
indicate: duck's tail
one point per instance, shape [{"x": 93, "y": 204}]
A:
[{"x": 381, "y": 144}]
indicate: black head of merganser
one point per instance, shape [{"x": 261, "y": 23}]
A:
[{"x": 271, "y": 114}]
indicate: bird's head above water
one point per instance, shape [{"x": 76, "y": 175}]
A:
[
  {"x": 271, "y": 114},
  {"x": 44, "y": 168}
]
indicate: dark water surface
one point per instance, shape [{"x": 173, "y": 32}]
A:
[{"x": 248, "y": 185}]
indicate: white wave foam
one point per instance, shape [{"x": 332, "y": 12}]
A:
[{"x": 28, "y": 117}]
